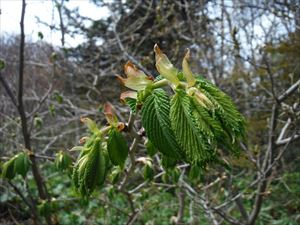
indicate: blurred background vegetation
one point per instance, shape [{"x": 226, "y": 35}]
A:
[{"x": 250, "y": 49}]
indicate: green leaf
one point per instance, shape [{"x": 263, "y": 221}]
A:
[
  {"x": 210, "y": 126},
  {"x": 46, "y": 208},
  {"x": 8, "y": 170},
  {"x": 90, "y": 169},
  {"x": 224, "y": 109},
  {"x": 195, "y": 172},
  {"x": 196, "y": 144},
  {"x": 78, "y": 171},
  {"x": 117, "y": 147},
  {"x": 115, "y": 175},
  {"x": 108, "y": 164},
  {"x": 21, "y": 163},
  {"x": 148, "y": 172},
  {"x": 95, "y": 168},
  {"x": 205, "y": 122},
  {"x": 62, "y": 161},
  {"x": 171, "y": 175},
  {"x": 52, "y": 110},
  {"x": 155, "y": 119},
  {"x": 58, "y": 97},
  {"x": 80, "y": 180},
  {"x": 18, "y": 164},
  {"x": 151, "y": 149},
  {"x": 131, "y": 102},
  {"x": 38, "y": 122},
  {"x": 168, "y": 162}
]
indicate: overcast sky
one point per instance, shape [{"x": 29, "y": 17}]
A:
[{"x": 44, "y": 10}]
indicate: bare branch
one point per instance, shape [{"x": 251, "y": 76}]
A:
[
  {"x": 283, "y": 130},
  {"x": 289, "y": 91},
  {"x": 287, "y": 140}
]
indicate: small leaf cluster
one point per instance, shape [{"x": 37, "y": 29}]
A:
[
  {"x": 18, "y": 164},
  {"x": 191, "y": 124},
  {"x": 102, "y": 149}
]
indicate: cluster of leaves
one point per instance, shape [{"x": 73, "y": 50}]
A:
[
  {"x": 189, "y": 125},
  {"x": 192, "y": 123},
  {"x": 102, "y": 149}
]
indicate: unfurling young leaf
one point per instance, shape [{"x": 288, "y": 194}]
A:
[
  {"x": 117, "y": 147},
  {"x": 136, "y": 79},
  {"x": 187, "y": 71},
  {"x": 90, "y": 169},
  {"x": 165, "y": 67},
  {"x": 92, "y": 126},
  {"x": 62, "y": 161}
]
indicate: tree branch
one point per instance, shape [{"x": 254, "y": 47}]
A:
[
  {"x": 26, "y": 135},
  {"x": 8, "y": 90},
  {"x": 289, "y": 91}
]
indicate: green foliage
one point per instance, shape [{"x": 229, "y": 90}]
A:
[
  {"x": 18, "y": 164},
  {"x": 115, "y": 174},
  {"x": 38, "y": 122},
  {"x": 117, "y": 147},
  {"x": 195, "y": 172},
  {"x": 198, "y": 147},
  {"x": 171, "y": 175},
  {"x": 156, "y": 121},
  {"x": 131, "y": 103},
  {"x": 57, "y": 97},
  {"x": 90, "y": 169},
  {"x": 224, "y": 109},
  {"x": 46, "y": 208},
  {"x": 151, "y": 149},
  {"x": 168, "y": 162},
  {"x": 197, "y": 121},
  {"x": 8, "y": 169},
  {"x": 62, "y": 161},
  {"x": 148, "y": 171}
]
